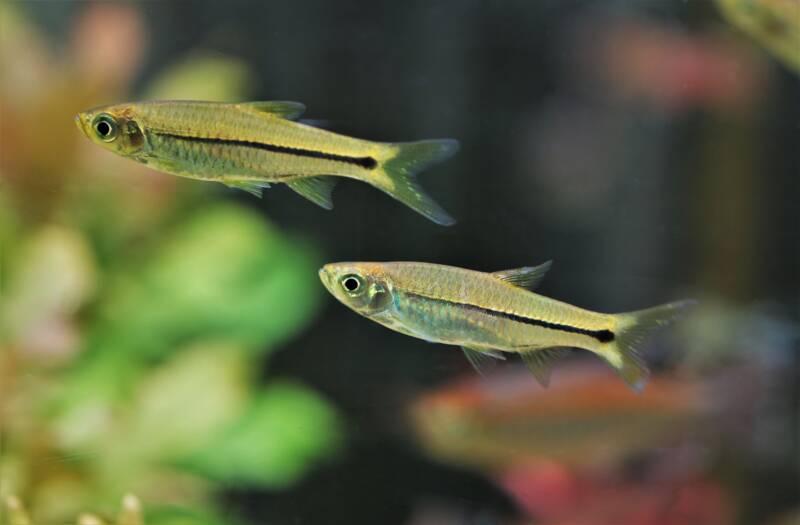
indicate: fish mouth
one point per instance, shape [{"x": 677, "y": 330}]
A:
[
  {"x": 325, "y": 277},
  {"x": 80, "y": 122}
]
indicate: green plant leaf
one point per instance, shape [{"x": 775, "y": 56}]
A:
[
  {"x": 222, "y": 274},
  {"x": 52, "y": 276},
  {"x": 172, "y": 410},
  {"x": 184, "y": 516},
  {"x": 286, "y": 430},
  {"x": 180, "y": 404},
  {"x": 202, "y": 78}
]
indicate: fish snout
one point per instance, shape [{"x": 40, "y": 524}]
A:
[
  {"x": 80, "y": 122},
  {"x": 325, "y": 276}
]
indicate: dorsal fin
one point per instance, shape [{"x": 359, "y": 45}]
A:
[
  {"x": 279, "y": 108},
  {"x": 526, "y": 277}
]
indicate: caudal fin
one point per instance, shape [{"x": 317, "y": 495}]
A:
[
  {"x": 400, "y": 175},
  {"x": 632, "y": 329}
]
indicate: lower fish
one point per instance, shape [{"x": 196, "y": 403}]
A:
[
  {"x": 489, "y": 314},
  {"x": 252, "y": 145}
]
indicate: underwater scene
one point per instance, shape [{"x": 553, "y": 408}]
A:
[{"x": 440, "y": 262}]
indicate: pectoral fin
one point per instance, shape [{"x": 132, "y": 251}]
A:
[
  {"x": 526, "y": 277},
  {"x": 278, "y": 108},
  {"x": 480, "y": 359},
  {"x": 252, "y": 187},
  {"x": 316, "y": 189},
  {"x": 540, "y": 362}
]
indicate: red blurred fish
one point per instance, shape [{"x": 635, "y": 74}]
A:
[
  {"x": 590, "y": 419},
  {"x": 555, "y": 496}
]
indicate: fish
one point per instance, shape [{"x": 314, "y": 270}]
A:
[
  {"x": 774, "y": 24},
  {"x": 252, "y": 145},
  {"x": 673, "y": 491},
  {"x": 492, "y": 314},
  {"x": 591, "y": 421}
]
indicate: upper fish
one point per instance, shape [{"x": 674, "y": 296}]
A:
[
  {"x": 251, "y": 145},
  {"x": 488, "y": 314}
]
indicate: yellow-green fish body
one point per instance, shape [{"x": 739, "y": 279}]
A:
[
  {"x": 488, "y": 313},
  {"x": 252, "y": 145},
  {"x": 775, "y": 24}
]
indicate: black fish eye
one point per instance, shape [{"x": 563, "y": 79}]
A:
[
  {"x": 351, "y": 283},
  {"x": 106, "y": 127}
]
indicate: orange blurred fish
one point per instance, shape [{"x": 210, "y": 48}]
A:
[{"x": 591, "y": 419}]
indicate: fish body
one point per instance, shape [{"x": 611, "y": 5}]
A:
[
  {"x": 252, "y": 145},
  {"x": 504, "y": 421},
  {"x": 489, "y": 314},
  {"x": 774, "y": 24}
]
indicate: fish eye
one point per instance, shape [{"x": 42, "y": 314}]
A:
[
  {"x": 352, "y": 284},
  {"x": 106, "y": 127}
]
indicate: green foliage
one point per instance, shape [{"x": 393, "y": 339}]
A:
[
  {"x": 136, "y": 314},
  {"x": 221, "y": 273},
  {"x": 130, "y": 514},
  {"x": 181, "y": 392},
  {"x": 202, "y": 77},
  {"x": 286, "y": 428},
  {"x": 52, "y": 275},
  {"x": 183, "y": 516}
]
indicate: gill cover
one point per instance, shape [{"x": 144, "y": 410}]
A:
[{"x": 365, "y": 293}]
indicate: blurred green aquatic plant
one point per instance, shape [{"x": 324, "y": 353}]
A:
[
  {"x": 136, "y": 314},
  {"x": 130, "y": 513},
  {"x": 202, "y": 78},
  {"x": 222, "y": 273}
]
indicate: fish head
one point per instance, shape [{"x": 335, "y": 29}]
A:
[
  {"x": 363, "y": 287},
  {"x": 115, "y": 128}
]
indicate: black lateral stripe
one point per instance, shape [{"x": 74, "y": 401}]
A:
[
  {"x": 365, "y": 162},
  {"x": 604, "y": 336}
]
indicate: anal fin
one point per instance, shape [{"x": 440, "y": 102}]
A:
[
  {"x": 481, "y": 359},
  {"x": 316, "y": 189},
  {"x": 253, "y": 187},
  {"x": 540, "y": 362}
]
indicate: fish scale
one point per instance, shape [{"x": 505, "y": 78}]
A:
[
  {"x": 222, "y": 121},
  {"x": 481, "y": 289}
]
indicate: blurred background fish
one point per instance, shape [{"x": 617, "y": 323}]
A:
[
  {"x": 589, "y": 451},
  {"x": 590, "y": 419}
]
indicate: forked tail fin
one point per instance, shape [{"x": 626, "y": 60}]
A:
[
  {"x": 400, "y": 171},
  {"x": 632, "y": 329}
]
